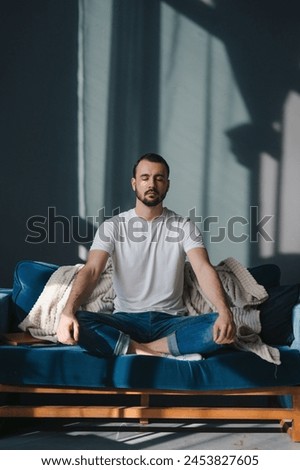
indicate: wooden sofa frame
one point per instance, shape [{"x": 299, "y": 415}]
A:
[{"x": 289, "y": 418}]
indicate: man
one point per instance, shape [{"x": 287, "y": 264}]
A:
[{"x": 148, "y": 246}]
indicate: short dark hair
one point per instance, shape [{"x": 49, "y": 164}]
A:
[{"x": 154, "y": 158}]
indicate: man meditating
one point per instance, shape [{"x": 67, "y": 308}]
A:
[{"x": 148, "y": 246}]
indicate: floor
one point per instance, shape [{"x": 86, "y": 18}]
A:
[{"x": 94, "y": 435}]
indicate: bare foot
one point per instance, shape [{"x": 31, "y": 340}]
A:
[{"x": 139, "y": 348}]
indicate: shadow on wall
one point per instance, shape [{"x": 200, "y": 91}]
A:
[
  {"x": 133, "y": 116},
  {"x": 262, "y": 40}
]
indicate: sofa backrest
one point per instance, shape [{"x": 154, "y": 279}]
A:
[{"x": 30, "y": 278}]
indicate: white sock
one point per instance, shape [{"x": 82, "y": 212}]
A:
[{"x": 185, "y": 357}]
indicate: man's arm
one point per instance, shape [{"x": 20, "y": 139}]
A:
[
  {"x": 84, "y": 284},
  {"x": 208, "y": 279}
]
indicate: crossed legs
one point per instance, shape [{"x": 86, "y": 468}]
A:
[{"x": 147, "y": 333}]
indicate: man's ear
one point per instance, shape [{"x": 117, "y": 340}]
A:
[{"x": 133, "y": 183}]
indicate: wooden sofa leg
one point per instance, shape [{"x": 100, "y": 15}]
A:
[
  {"x": 145, "y": 400},
  {"x": 285, "y": 425},
  {"x": 294, "y": 430}
]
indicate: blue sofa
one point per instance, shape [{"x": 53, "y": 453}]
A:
[{"x": 53, "y": 380}]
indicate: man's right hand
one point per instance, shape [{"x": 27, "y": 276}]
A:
[
  {"x": 84, "y": 284},
  {"x": 68, "y": 329}
]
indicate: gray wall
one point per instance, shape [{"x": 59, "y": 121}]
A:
[
  {"x": 38, "y": 112},
  {"x": 247, "y": 60}
]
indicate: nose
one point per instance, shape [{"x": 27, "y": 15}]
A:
[{"x": 151, "y": 183}]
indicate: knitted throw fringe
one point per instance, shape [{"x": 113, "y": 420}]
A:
[{"x": 242, "y": 291}]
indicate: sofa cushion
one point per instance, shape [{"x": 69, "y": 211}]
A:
[
  {"x": 59, "y": 365},
  {"x": 30, "y": 278}
]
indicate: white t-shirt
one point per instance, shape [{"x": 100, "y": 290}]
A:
[{"x": 148, "y": 259}]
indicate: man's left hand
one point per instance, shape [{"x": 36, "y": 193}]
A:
[{"x": 224, "y": 329}]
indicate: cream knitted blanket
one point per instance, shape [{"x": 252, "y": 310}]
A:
[
  {"x": 241, "y": 288},
  {"x": 42, "y": 320}
]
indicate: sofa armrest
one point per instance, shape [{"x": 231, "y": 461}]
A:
[
  {"x": 5, "y": 303},
  {"x": 296, "y": 327}
]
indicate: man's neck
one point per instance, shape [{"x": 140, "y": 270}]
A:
[{"x": 148, "y": 212}]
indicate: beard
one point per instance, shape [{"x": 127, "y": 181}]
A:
[{"x": 153, "y": 201}]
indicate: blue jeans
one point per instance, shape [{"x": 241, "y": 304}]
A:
[{"x": 109, "y": 334}]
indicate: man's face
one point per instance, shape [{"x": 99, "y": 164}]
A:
[{"x": 151, "y": 183}]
